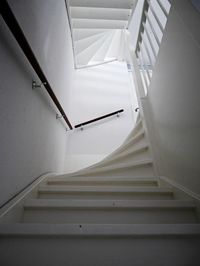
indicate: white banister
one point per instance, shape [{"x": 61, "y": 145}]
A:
[
  {"x": 147, "y": 52},
  {"x": 146, "y": 81},
  {"x": 140, "y": 90},
  {"x": 156, "y": 16},
  {"x": 150, "y": 41},
  {"x": 163, "y": 8},
  {"x": 152, "y": 29},
  {"x": 152, "y": 25}
]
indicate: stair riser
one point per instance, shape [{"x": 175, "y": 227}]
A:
[
  {"x": 83, "y": 44},
  {"x": 128, "y": 158},
  {"x": 138, "y": 129},
  {"x": 117, "y": 216},
  {"x": 80, "y": 34},
  {"x": 100, "y": 251},
  {"x": 115, "y": 196},
  {"x": 94, "y": 182},
  {"x": 135, "y": 141},
  {"x": 139, "y": 171}
]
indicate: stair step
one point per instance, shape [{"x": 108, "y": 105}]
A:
[
  {"x": 127, "y": 245},
  {"x": 80, "y": 34},
  {"x": 113, "y": 49},
  {"x": 125, "y": 4},
  {"x": 139, "y": 153},
  {"x": 136, "y": 140},
  {"x": 138, "y": 128},
  {"x": 99, "y": 56},
  {"x": 86, "y": 42},
  {"x": 117, "y": 181},
  {"x": 138, "y": 131},
  {"x": 130, "y": 151},
  {"x": 109, "y": 211},
  {"x": 100, "y": 13},
  {"x": 95, "y": 230},
  {"x": 143, "y": 168},
  {"x": 98, "y": 24},
  {"x": 85, "y": 55},
  {"x": 99, "y": 192},
  {"x": 110, "y": 204}
]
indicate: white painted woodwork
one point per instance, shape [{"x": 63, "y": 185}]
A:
[
  {"x": 113, "y": 50},
  {"x": 91, "y": 245},
  {"x": 82, "y": 44},
  {"x": 100, "y": 13},
  {"x": 116, "y": 212},
  {"x": 107, "y": 181},
  {"x": 125, "y": 4},
  {"x": 80, "y": 34},
  {"x": 106, "y": 202},
  {"x": 109, "y": 211},
  {"x": 89, "y": 18},
  {"x": 84, "y": 56},
  {"x": 101, "y": 53},
  {"x": 103, "y": 192},
  {"x": 98, "y": 24}
]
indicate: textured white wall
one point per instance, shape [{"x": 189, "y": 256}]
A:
[
  {"x": 97, "y": 91},
  {"x": 174, "y": 97},
  {"x": 32, "y": 141}
]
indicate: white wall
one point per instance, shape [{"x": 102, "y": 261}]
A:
[
  {"x": 97, "y": 91},
  {"x": 174, "y": 97},
  {"x": 32, "y": 141}
]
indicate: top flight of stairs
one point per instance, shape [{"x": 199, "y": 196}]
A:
[
  {"x": 98, "y": 29},
  {"x": 116, "y": 212}
]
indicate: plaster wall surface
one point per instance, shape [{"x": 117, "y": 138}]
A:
[
  {"x": 174, "y": 97},
  {"x": 95, "y": 92},
  {"x": 32, "y": 141}
]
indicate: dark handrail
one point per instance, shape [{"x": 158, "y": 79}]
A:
[
  {"x": 99, "y": 118},
  {"x": 16, "y": 30}
]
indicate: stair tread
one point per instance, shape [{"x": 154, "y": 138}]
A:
[
  {"x": 102, "y": 179},
  {"x": 126, "y": 145},
  {"x": 107, "y": 204},
  {"x": 61, "y": 180},
  {"x": 126, "y": 165},
  {"x": 111, "y": 189},
  {"x": 99, "y": 169},
  {"x": 125, "y": 4},
  {"x": 138, "y": 163},
  {"x": 139, "y": 134},
  {"x": 129, "y": 230},
  {"x": 120, "y": 155}
]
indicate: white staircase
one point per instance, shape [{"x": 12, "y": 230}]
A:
[
  {"x": 117, "y": 212},
  {"x": 98, "y": 29}
]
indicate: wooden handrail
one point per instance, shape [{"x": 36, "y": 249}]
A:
[
  {"x": 98, "y": 118},
  {"x": 17, "y": 32}
]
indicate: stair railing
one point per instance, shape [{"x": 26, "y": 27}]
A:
[
  {"x": 152, "y": 25},
  {"x": 18, "y": 34},
  {"x": 98, "y": 118}
]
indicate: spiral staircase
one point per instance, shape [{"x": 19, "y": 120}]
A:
[
  {"x": 116, "y": 212},
  {"x": 98, "y": 29}
]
